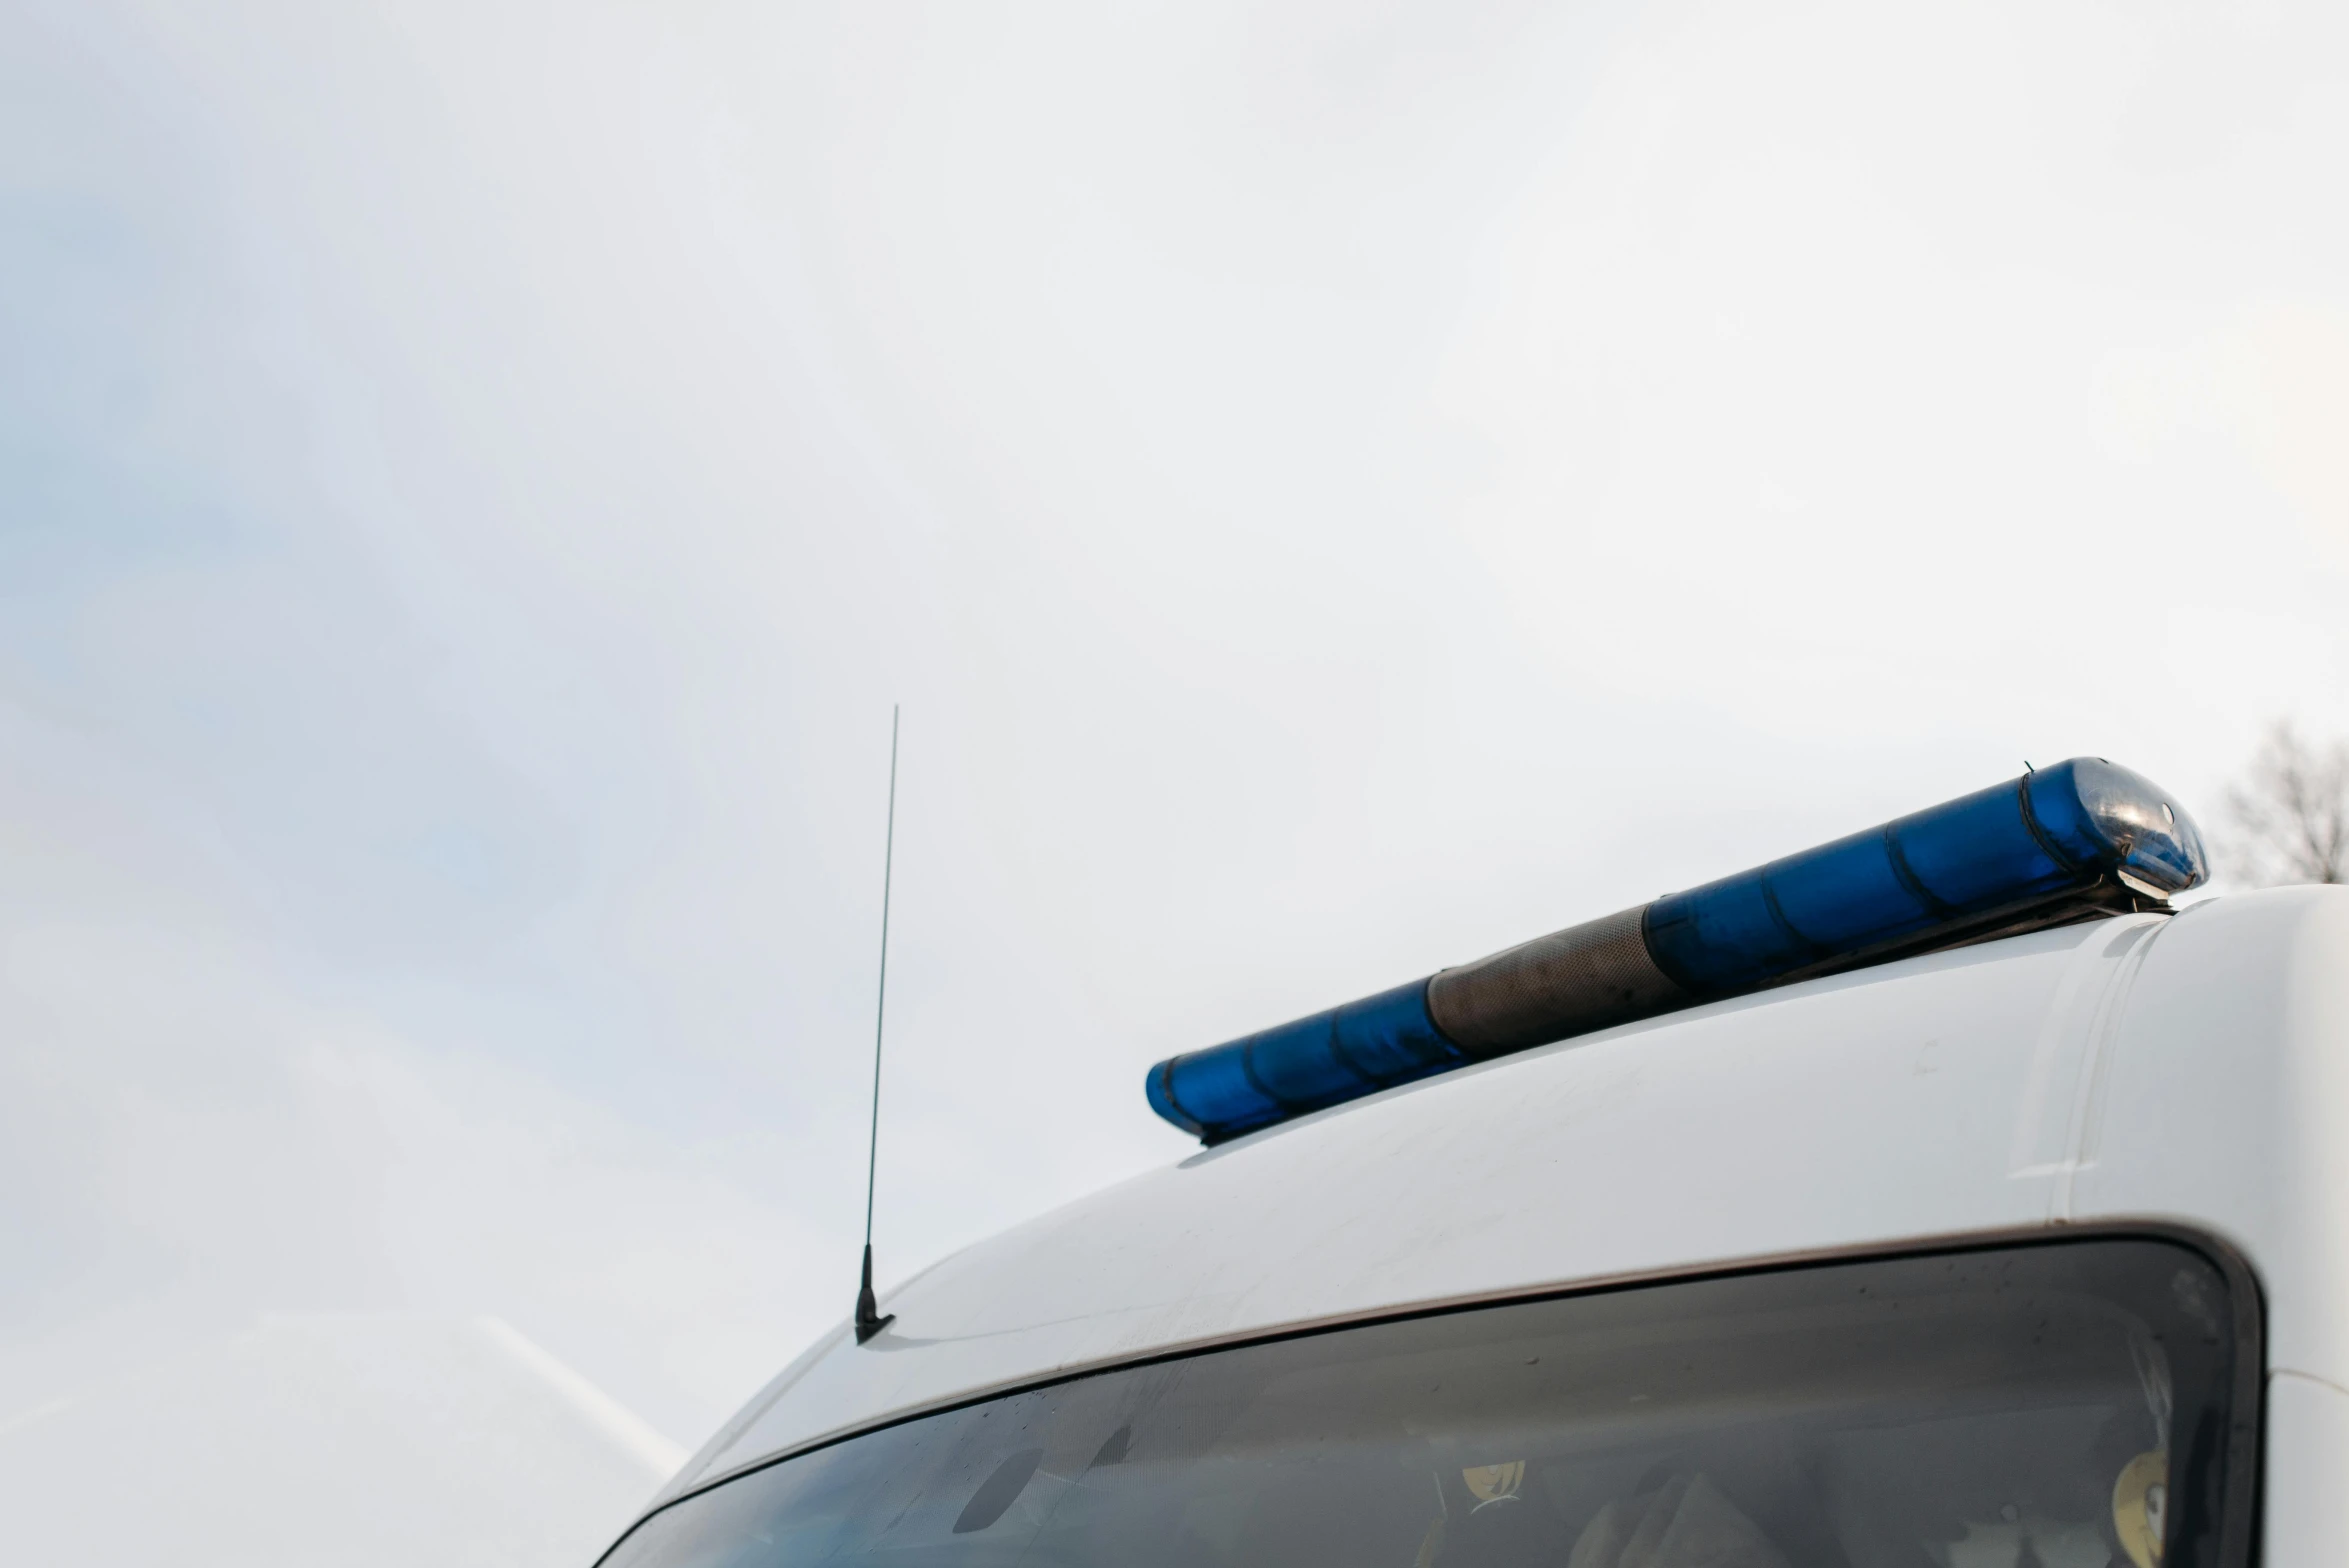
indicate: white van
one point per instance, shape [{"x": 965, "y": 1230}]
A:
[{"x": 2030, "y": 1251}]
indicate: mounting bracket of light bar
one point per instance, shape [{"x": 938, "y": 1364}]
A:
[{"x": 2059, "y": 844}]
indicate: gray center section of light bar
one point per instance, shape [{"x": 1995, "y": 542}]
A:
[{"x": 1570, "y": 982}]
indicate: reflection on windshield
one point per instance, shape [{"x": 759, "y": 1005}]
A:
[{"x": 2055, "y": 1406}]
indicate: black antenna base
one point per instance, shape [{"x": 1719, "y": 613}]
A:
[{"x": 869, "y": 1320}]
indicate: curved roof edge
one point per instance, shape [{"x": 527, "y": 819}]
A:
[{"x": 2036, "y": 1081}]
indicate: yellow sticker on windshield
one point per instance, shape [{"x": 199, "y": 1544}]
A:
[
  {"x": 2140, "y": 1498},
  {"x": 1494, "y": 1483}
]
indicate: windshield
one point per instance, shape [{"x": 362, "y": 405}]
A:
[{"x": 2054, "y": 1406}]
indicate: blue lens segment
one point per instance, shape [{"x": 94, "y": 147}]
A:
[
  {"x": 1320, "y": 1061},
  {"x": 1980, "y": 852},
  {"x": 2060, "y": 829}
]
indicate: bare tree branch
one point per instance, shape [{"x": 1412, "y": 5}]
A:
[{"x": 2291, "y": 812}]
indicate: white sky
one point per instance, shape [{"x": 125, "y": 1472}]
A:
[
  {"x": 1337, "y": 487},
  {"x": 353, "y": 1440}
]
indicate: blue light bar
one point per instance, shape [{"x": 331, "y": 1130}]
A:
[{"x": 2063, "y": 843}]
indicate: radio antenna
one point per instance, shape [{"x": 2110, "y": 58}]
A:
[{"x": 869, "y": 1320}]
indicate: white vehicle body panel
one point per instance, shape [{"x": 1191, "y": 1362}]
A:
[{"x": 2191, "y": 1071}]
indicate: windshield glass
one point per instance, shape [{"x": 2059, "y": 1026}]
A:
[{"x": 2055, "y": 1406}]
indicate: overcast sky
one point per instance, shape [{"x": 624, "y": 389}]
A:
[{"x": 1337, "y": 487}]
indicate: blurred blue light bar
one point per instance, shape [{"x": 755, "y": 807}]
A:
[{"x": 2064, "y": 843}]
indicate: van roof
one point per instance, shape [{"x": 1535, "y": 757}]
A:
[{"x": 2185, "y": 1070}]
